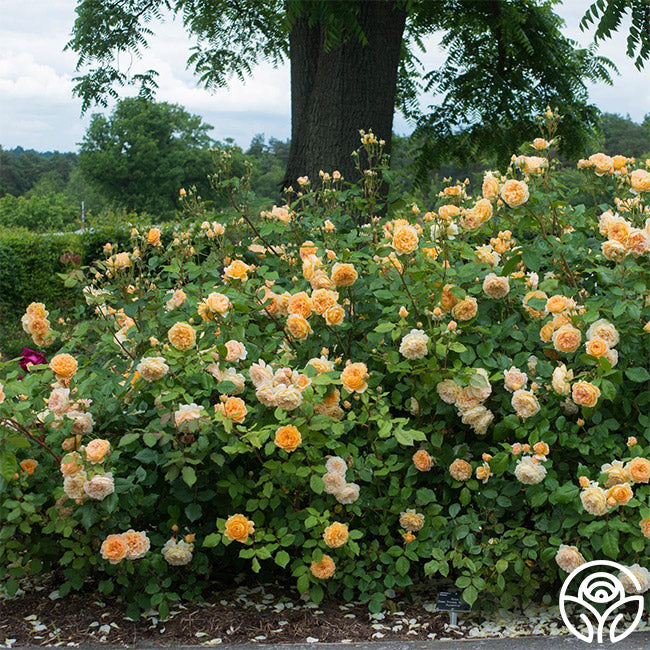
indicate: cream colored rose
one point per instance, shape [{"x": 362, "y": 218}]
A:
[
  {"x": 514, "y": 379},
  {"x": 99, "y": 486},
  {"x": 236, "y": 351},
  {"x": 411, "y": 520},
  {"x": 152, "y": 368},
  {"x": 186, "y": 414},
  {"x": 569, "y": 558},
  {"x": 529, "y": 472},
  {"x": 59, "y": 401},
  {"x": 414, "y": 345},
  {"x": 487, "y": 255},
  {"x": 640, "y": 585},
  {"x": 594, "y": 499},
  {"x": 490, "y": 188},
  {"x": 478, "y": 417},
  {"x": 525, "y": 403},
  {"x": 448, "y": 391},
  {"x": 561, "y": 379},
  {"x": 496, "y": 286}
]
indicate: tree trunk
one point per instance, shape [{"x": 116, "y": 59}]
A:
[{"x": 336, "y": 93}]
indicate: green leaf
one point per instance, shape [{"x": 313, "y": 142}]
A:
[
  {"x": 282, "y": 558},
  {"x": 189, "y": 475},
  {"x": 638, "y": 375},
  {"x": 211, "y": 540},
  {"x": 610, "y": 544}
]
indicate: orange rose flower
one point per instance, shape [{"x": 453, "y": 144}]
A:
[
  {"x": 153, "y": 236},
  {"x": 298, "y": 326},
  {"x": 336, "y": 534},
  {"x": 638, "y": 470},
  {"x": 182, "y": 336},
  {"x": 344, "y": 275},
  {"x": 28, "y": 465},
  {"x": 137, "y": 544},
  {"x": 323, "y": 569},
  {"x": 288, "y": 438},
  {"x": 233, "y": 408},
  {"x": 334, "y": 315},
  {"x": 597, "y": 347},
  {"x": 460, "y": 470},
  {"x": 422, "y": 460},
  {"x": 514, "y": 192},
  {"x": 620, "y": 494},
  {"x": 405, "y": 239},
  {"x": 566, "y": 339},
  {"x": 355, "y": 377},
  {"x": 300, "y": 304},
  {"x": 238, "y": 528},
  {"x": 63, "y": 365},
  {"x": 97, "y": 449},
  {"x": 114, "y": 548},
  {"x": 584, "y": 393}
]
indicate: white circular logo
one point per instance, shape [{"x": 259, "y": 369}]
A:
[{"x": 601, "y": 596}]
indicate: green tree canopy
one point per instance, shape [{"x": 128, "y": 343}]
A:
[
  {"x": 354, "y": 61},
  {"x": 141, "y": 154}
]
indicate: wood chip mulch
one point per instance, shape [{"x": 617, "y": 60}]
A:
[{"x": 243, "y": 614}]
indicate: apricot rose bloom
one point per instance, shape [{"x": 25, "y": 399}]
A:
[
  {"x": 238, "y": 528},
  {"x": 97, "y": 450},
  {"x": 215, "y": 304},
  {"x": 638, "y": 469},
  {"x": 63, "y": 365},
  {"x": 298, "y": 327},
  {"x": 344, "y": 274},
  {"x": 187, "y": 413},
  {"x": 137, "y": 544},
  {"x": 28, "y": 466},
  {"x": 288, "y": 438},
  {"x": 355, "y": 377},
  {"x": 422, "y": 460},
  {"x": 335, "y": 535},
  {"x": 640, "y": 180},
  {"x": 182, "y": 336},
  {"x": 233, "y": 408},
  {"x": 619, "y": 494},
  {"x": 334, "y": 315},
  {"x": 465, "y": 309},
  {"x": 585, "y": 393},
  {"x": 460, "y": 470},
  {"x": 569, "y": 558},
  {"x": 323, "y": 569},
  {"x": 567, "y": 339},
  {"x": 300, "y": 304},
  {"x": 405, "y": 239},
  {"x": 153, "y": 236},
  {"x": 514, "y": 192},
  {"x": 114, "y": 548}
]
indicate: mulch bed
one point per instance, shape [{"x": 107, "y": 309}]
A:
[{"x": 243, "y": 614}]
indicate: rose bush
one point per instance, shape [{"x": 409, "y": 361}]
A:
[{"x": 359, "y": 401}]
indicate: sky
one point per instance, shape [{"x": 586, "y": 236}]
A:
[{"x": 38, "y": 110}]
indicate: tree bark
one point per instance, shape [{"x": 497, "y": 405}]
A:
[{"x": 335, "y": 94}]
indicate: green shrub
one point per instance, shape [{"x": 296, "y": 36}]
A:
[
  {"x": 419, "y": 394},
  {"x": 31, "y": 265}
]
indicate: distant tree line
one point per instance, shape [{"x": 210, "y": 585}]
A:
[{"x": 136, "y": 159}]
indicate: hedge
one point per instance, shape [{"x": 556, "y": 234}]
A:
[{"x": 30, "y": 264}]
